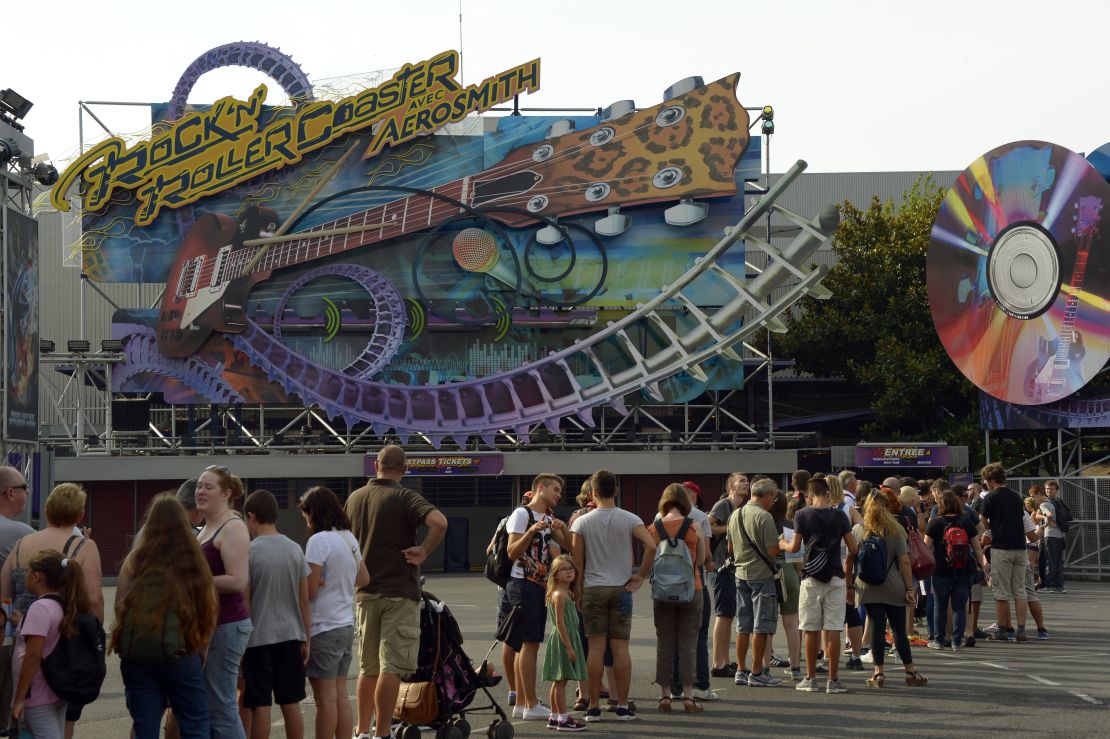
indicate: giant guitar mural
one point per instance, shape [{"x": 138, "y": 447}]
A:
[{"x": 459, "y": 284}]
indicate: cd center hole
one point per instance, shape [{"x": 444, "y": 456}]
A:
[{"x": 1023, "y": 270}]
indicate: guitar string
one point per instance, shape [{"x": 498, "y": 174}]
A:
[{"x": 440, "y": 209}]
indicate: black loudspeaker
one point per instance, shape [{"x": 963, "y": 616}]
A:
[
  {"x": 456, "y": 545},
  {"x": 131, "y": 415}
]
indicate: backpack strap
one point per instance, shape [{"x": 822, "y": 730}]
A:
[
  {"x": 681, "y": 535},
  {"x": 661, "y": 530},
  {"x": 69, "y": 543},
  {"x": 748, "y": 537}
]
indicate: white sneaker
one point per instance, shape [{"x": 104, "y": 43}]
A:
[
  {"x": 705, "y": 695},
  {"x": 867, "y": 658},
  {"x": 363, "y": 735},
  {"x": 518, "y": 711},
  {"x": 536, "y": 712}
]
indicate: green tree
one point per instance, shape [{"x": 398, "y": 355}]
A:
[{"x": 876, "y": 330}]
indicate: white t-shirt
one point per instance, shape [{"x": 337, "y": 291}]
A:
[
  {"x": 338, "y": 554},
  {"x": 519, "y": 522}
]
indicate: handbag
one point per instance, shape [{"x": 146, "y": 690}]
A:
[
  {"x": 417, "y": 702},
  {"x": 922, "y": 561},
  {"x": 776, "y": 571}
]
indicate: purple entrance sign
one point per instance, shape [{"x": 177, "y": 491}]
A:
[
  {"x": 431, "y": 465},
  {"x": 901, "y": 455}
]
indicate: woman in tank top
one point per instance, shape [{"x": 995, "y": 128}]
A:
[{"x": 225, "y": 542}]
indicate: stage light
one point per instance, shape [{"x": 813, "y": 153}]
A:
[
  {"x": 111, "y": 345},
  {"x": 77, "y": 346},
  {"x": 768, "y": 128},
  {"x": 46, "y": 346},
  {"x": 8, "y": 150},
  {"x": 14, "y": 103},
  {"x": 45, "y": 173}
]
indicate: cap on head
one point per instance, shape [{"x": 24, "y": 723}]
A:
[
  {"x": 693, "y": 487},
  {"x": 893, "y": 483}
]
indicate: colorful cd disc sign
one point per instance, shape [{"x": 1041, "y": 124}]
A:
[{"x": 1018, "y": 272}]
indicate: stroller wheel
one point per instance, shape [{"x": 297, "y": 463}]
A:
[
  {"x": 463, "y": 726},
  {"x": 408, "y": 731},
  {"x": 500, "y": 730}
]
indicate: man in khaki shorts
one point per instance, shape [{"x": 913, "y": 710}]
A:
[
  {"x": 1003, "y": 515},
  {"x": 601, "y": 543},
  {"x": 384, "y": 518}
]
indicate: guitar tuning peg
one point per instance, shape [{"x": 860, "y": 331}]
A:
[
  {"x": 613, "y": 224},
  {"x": 559, "y": 128},
  {"x": 549, "y": 235},
  {"x": 686, "y": 213},
  {"x": 682, "y": 87},
  {"x": 619, "y": 109}
]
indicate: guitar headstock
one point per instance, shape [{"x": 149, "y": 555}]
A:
[{"x": 685, "y": 147}]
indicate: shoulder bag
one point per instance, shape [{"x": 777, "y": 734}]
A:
[{"x": 776, "y": 571}]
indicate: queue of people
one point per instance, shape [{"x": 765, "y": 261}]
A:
[
  {"x": 837, "y": 562},
  {"x": 848, "y": 568}
]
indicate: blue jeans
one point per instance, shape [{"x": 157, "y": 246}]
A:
[
  {"x": 701, "y": 661},
  {"x": 147, "y": 687},
  {"x": 1053, "y": 558},
  {"x": 220, "y": 674},
  {"x": 955, "y": 590}
]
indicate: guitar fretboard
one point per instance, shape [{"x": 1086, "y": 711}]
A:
[{"x": 396, "y": 218}]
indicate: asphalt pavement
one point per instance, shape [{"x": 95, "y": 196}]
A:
[{"x": 1051, "y": 688}]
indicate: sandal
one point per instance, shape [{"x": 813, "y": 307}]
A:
[
  {"x": 916, "y": 678},
  {"x": 581, "y": 704},
  {"x": 665, "y": 704},
  {"x": 877, "y": 680},
  {"x": 692, "y": 706}
]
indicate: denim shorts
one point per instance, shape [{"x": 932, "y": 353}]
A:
[
  {"x": 723, "y": 587},
  {"x": 757, "y": 606}
]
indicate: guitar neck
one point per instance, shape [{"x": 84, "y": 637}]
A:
[{"x": 397, "y": 218}]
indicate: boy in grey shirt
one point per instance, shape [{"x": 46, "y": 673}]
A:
[{"x": 273, "y": 665}]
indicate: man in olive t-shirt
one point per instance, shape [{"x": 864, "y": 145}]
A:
[{"x": 385, "y": 517}]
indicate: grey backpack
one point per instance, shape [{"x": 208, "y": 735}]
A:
[{"x": 672, "y": 572}]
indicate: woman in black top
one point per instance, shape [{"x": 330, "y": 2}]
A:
[{"x": 954, "y": 570}]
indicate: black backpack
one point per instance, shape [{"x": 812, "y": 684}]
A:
[
  {"x": 1062, "y": 514},
  {"x": 75, "y": 670},
  {"x": 499, "y": 567}
]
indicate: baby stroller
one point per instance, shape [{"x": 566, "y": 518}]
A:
[{"x": 456, "y": 681}]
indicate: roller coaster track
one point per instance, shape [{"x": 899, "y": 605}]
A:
[{"x": 546, "y": 391}]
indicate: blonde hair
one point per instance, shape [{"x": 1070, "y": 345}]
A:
[
  {"x": 65, "y": 505},
  {"x": 907, "y": 496},
  {"x": 877, "y": 519},
  {"x": 836, "y": 490},
  {"x": 1030, "y": 504},
  {"x": 553, "y": 569}
]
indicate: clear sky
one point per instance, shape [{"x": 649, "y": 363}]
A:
[{"x": 857, "y": 85}]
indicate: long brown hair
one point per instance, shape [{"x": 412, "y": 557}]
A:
[
  {"x": 169, "y": 563},
  {"x": 67, "y": 579}
]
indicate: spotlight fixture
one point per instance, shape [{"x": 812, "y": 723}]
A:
[
  {"x": 111, "y": 345},
  {"x": 77, "y": 346},
  {"x": 46, "y": 346},
  {"x": 768, "y": 117},
  {"x": 45, "y": 173},
  {"x": 9, "y": 150},
  {"x": 14, "y": 103}
]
